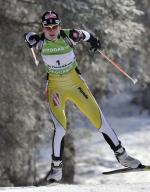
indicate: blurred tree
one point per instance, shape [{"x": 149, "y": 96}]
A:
[
  {"x": 141, "y": 58},
  {"x": 114, "y": 22}
]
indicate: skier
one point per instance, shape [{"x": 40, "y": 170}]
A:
[{"x": 65, "y": 82}]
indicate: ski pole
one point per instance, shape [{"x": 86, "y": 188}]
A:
[
  {"x": 134, "y": 80},
  {"x": 34, "y": 56}
]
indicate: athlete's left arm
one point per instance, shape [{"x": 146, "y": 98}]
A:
[{"x": 82, "y": 35}]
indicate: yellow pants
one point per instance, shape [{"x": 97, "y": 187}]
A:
[{"x": 72, "y": 87}]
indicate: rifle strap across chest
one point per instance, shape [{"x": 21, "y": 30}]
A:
[{"x": 66, "y": 38}]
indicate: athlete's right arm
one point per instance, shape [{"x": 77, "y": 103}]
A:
[{"x": 32, "y": 39}]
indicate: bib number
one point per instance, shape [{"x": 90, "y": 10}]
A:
[{"x": 58, "y": 62}]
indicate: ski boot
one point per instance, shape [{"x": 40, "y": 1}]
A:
[
  {"x": 53, "y": 176},
  {"x": 126, "y": 160}
]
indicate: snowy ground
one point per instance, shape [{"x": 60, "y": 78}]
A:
[
  {"x": 83, "y": 188},
  {"x": 93, "y": 155}
]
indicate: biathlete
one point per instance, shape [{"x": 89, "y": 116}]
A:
[{"x": 65, "y": 82}]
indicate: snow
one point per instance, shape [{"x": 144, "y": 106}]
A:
[
  {"x": 93, "y": 155},
  {"x": 82, "y": 188}
]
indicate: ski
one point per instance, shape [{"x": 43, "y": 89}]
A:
[{"x": 127, "y": 170}]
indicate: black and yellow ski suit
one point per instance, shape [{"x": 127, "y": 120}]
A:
[{"x": 65, "y": 83}]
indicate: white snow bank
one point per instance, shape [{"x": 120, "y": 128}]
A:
[{"x": 144, "y": 187}]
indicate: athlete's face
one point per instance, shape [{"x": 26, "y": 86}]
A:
[{"x": 51, "y": 32}]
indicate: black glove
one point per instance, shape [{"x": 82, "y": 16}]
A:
[
  {"x": 31, "y": 38},
  {"x": 95, "y": 43}
]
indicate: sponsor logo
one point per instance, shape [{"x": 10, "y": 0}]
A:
[
  {"x": 75, "y": 34},
  {"x": 82, "y": 92},
  {"x": 60, "y": 66},
  {"x": 56, "y": 100},
  {"x": 52, "y": 50},
  {"x": 50, "y": 16}
]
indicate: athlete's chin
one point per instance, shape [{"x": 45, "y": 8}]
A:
[{"x": 52, "y": 37}]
